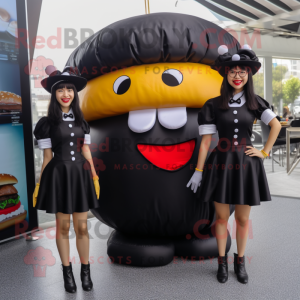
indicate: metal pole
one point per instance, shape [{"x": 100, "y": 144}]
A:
[
  {"x": 287, "y": 150},
  {"x": 272, "y": 160},
  {"x": 147, "y": 6}
]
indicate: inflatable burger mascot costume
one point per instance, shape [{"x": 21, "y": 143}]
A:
[{"x": 148, "y": 77}]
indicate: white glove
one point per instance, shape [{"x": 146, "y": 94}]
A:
[{"x": 195, "y": 180}]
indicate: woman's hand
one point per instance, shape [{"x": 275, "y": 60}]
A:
[
  {"x": 195, "y": 180},
  {"x": 35, "y": 194},
  {"x": 97, "y": 186},
  {"x": 254, "y": 152}
]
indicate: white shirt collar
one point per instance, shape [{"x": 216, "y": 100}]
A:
[
  {"x": 68, "y": 119},
  {"x": 236, "y": 96}
]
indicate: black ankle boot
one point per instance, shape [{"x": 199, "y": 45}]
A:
[
  {"x": 239, "y": 268},
  {"x": 222, "y": 274},
  {"x": 70, "y": 285},
  {"x": 85, "y": 276}
]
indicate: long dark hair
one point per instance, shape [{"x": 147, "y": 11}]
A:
[
  {"x": 227, "y": 91},
  {"x": 54, "y": 110}
]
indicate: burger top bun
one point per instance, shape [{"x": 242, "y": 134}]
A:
[
  {"x": 7, "y": 179},
  {"x": 8, "y": 98}
]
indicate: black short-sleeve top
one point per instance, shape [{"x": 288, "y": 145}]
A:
[
  {"x": 208, "y": 115},
  {"x": 49, "y": 136},
  {"x": 42, "y": 133},
  {"x": 264, "y": 111},
  {"x": 207, "y": 118}
]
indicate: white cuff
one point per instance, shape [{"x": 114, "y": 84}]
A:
[
  {"x": 207, "y": 129},
  {"x": 87, "y": 139},
  {"x": 44, "y": 143},
  {"x": 267, "y": 116}
]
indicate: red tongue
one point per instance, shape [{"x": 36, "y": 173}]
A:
[{"x": 170, "y": 157}]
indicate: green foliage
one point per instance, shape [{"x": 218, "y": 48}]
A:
[
  {"x": 258, "y": 82},
  {"x": 278, "y": 72},
  {"x": 277, "y": 92},
  {"x": 291, "y": 90}
]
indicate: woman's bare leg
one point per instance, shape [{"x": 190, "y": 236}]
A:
[
  {"x": 241, "y": 215},
  {"x": 62, "y": 237},
  {"x": 82, "y": 236},
  {"x": 222, "y": 216}
]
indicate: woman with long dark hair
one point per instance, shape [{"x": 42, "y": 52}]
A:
[
  {"x": 68, "y": 183},
  {"x": 234, "y": 173}
]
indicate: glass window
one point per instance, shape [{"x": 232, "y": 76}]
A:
[
  {"x": 285, "y": 85},
  {"x": 258, "y": 79}
]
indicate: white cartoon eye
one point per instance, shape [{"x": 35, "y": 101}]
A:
[
  {"x": 172, "y": 77},
  {"x": 122, "y": 85}
]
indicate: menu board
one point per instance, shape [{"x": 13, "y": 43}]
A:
[
  {"x": 16, "y": 152},
  {"x": 10, "y": 90}
]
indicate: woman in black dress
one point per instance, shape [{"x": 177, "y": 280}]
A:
[
  {"x": 68, "y": 182},
  {"x": 234, "y": 171}
]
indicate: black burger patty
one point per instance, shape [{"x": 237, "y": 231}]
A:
[{"x": 3, "y": 198}]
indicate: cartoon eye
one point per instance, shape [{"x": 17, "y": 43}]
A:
[
  {"x": 172, "y": 77},
  {"x": 122, "y": 85},
  {"x": 43, "y": 258},
  {"x": 35, "y": 258}
]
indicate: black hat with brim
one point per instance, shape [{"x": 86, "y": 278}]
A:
[
  {"x": 244, "y": 57},
  {"x": 68, "y": 75}
]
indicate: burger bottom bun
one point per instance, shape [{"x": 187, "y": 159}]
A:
[{"x": 13, "y": 220}]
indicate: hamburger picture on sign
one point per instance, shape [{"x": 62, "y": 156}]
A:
[
  {"x": 10, "y": 103},
  {"x": 11, "y": 209}
]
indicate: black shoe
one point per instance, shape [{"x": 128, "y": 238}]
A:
[
  {"x": 70, "y": 285},
  {"x": 222, "y": 274},
  {"x": 239, "y": 268},
  {"x": 85, "y": 276}
]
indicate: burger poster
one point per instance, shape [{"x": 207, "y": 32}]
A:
[
  {"x": 13, "y": 185},
  {"x": 10, "y": 93},
  {"x": 10, "y": 99}
]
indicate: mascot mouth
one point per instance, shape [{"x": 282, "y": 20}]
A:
[{"x": 168, "y": 157}]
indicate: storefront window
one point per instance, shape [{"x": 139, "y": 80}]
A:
[
  {"x": 258, "y": 80},
  {"x": 286, "y": 86}
]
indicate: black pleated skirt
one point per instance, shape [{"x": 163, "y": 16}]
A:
[
  {"x": 66, "y": 187},
  {"x": 233, "y": 177}
]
